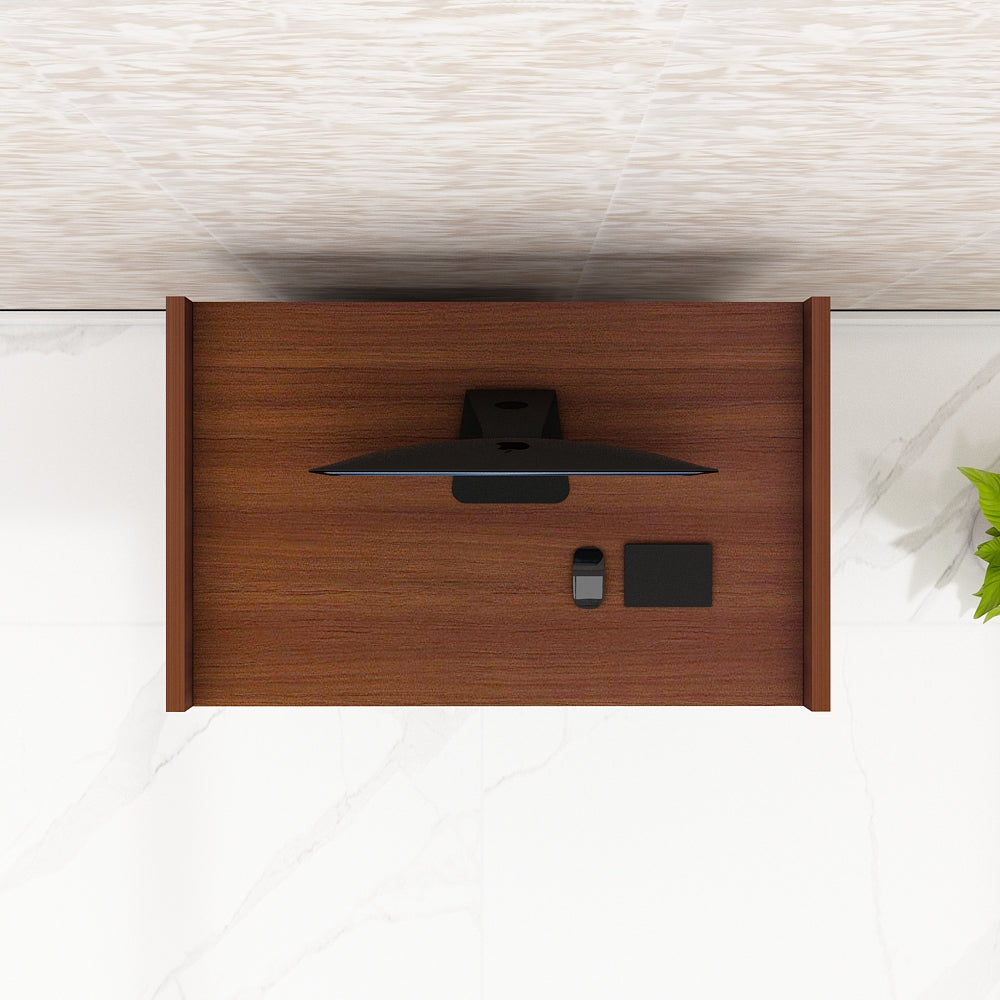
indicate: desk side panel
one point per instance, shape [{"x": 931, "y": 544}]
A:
[
  {"x": 816, "y": 499},
  {"x": 180, "y": 686}
]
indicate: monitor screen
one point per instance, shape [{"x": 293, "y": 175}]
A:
[{"x": 512, "y": 457}]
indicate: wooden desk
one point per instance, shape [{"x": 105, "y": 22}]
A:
[{"x": 285, "y": 588}]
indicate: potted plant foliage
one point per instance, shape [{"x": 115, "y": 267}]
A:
[{"x": 988, "y": 484}]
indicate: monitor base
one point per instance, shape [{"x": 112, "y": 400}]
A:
[
  {"x": 510, "y": 413},
  {"x": 510, "y": 489}
]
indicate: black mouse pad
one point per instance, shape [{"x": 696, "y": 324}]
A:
[{"x": 668, "y": 575}]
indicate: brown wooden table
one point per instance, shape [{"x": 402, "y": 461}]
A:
[{"x": 285, "y": 588}]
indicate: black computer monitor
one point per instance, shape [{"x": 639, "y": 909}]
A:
[{"x": 510, "y": 449}]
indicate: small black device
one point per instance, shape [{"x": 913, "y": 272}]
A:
[
  {"x": 668, "y": 575},
  {"x": 588, "y": 577}
]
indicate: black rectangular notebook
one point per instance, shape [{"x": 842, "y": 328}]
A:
[{"x": 668, "y": 575}]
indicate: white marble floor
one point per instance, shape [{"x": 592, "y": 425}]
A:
[
  {"x": 456, "y": 853},
  {"x": 663, "y": 149}
]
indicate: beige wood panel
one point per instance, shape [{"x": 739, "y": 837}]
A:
[{"x": 705, "y": 150}]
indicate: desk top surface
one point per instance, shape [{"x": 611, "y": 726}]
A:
[{"x": 322, "y": 590}]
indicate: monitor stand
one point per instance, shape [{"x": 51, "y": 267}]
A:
[{"x": 510, "y": 413}]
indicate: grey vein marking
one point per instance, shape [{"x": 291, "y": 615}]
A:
[
  {"x": 564, "y": 741},
  {"x": 872, "y": 832},
  {"x": 881, "y": 483},
  {"x": 950, "y": 571},
  {"x": 361, "y": 912},
  {"x": 975, "y": 975},
  {"x": 73, "y": 340},
  {"x": 425, "y": 732},
  {"x": 128, "y": 772},
  {"x": 523, "y": 772}
]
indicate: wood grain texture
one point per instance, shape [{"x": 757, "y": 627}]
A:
[
  {"x": 816, "y": 509},
  {"x": 179, "y": 504},
  {"x": 318, "y": 590}
]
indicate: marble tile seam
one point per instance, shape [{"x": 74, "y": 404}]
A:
[
  {"x": 960, "y": 248},
  {"x": 68, "y": 101},
  {"x": 609, "y": 207}
]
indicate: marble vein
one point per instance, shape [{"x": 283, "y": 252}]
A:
[
  {"x": 967, "y": 544},
  {"x": 576, "y": 725},
  {"x": 372, "y": 908},
  {"x": 873, "y": 842},
  {"x": 425, "y": 733},
  {"x": 57, "y": 339},
  {"x": 853, "y": 547},
  {"x": 975, "y": 975},
  {"x": 523, "y": 772},
  {"x": 129, "y": 771}
]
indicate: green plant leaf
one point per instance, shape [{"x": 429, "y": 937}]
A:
[
  {"x": 989, "y": 592},
  {"x": 995, "y": 532},
  {"x": 992, "y": 614},
  {"x": 988, "y": 484},
  {"x": 990, "y": 551}
]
